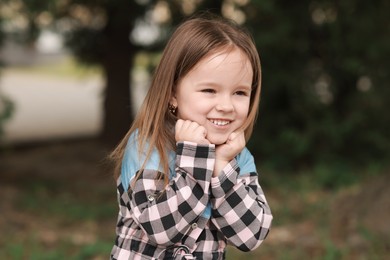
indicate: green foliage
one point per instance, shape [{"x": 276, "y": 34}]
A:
[
  {"x": 324, "y": 82},
  {"x": 92, "y": 42},
  {"x": 31, "y": 11},
  {"x": 335, "y": 176},
  {"x": 331, "y": 251},
  {"x": 2, "y": 35},
  {"x": 6, "y": 109},
  {"x": 81, "y": 40}
]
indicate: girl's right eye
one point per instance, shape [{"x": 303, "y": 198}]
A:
[{"x": 208, "y": 90}]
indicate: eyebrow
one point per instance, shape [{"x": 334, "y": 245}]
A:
[
  {"x": 248, "y": 87},
  {"x": 213, "y": 84}
]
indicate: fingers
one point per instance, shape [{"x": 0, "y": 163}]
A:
[
  {"x": 232, "y": 136},
  {"x": 189, "y": 126},
  {"x": 187, "y": 130},
  {"x": 233, "y": 146},
  {"x": 238, "y": 138}
]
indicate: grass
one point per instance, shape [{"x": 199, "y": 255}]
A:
[
  {"x": 64, "y": 204},
  {"x": 33, "y": 250},
  {"x": 58, "y": 223}
]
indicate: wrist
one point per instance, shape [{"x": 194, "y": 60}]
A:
[{"x": 218, "y": 166}]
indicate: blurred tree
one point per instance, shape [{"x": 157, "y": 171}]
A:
[
  {"x": 99, "y": 33},
  {"x": 1, "y": 31},
  {"x": 6, "y": 105},
  {"x": 6, "y": 109},
  {"x": 324, "y": 80}
]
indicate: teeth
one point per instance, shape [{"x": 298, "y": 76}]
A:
[{"x": 220, "y": 122}]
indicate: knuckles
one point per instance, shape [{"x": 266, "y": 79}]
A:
[{"x": 187, "y": 130}]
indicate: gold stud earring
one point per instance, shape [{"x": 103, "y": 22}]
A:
[{"x": 172, "y": 109}]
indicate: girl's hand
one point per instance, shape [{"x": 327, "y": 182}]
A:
[
  {"x": 224, "y": 153},
  {"x": 186, "y": 130},
  {"x": 233, "y": 146}
]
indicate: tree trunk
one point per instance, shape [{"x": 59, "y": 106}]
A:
[{"x": 117, "y": 62}]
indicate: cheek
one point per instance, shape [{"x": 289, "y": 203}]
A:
[
  {"x": 192, "y": 110},
  {"x": 243, "y": 110}
]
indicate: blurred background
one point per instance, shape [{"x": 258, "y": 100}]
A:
[{"x": 73, "y": 73}]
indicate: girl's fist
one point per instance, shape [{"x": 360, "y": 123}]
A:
[{"x": 186, "y": 130}]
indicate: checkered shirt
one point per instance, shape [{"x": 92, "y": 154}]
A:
[{"x": 201, "y": 212}]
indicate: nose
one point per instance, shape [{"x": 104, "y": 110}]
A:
[{"x": 224, "y": 104}]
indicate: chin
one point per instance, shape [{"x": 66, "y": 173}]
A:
[{"x": 218, "y": 140}]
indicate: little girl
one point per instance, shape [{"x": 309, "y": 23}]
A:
[{"x": 187, "y": 186}]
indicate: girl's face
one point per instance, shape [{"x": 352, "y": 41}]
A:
[{"x": 216, "y": 94}]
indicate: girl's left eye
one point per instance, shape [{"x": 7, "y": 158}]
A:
[{"x": 241, "y": 93}]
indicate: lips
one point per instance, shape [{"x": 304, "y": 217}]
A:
[{"x": 220, "y": 122}]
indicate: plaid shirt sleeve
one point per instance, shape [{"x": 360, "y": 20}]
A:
[
  {"x": 239, "y": 208},
  {"x": 166, "y": 213}
]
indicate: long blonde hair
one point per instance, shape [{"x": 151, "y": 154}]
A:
[{"x": 191, "y": 41}]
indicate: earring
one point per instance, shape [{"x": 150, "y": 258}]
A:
[{"x": 172, "y": 109}]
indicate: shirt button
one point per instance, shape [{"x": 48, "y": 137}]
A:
[
  {"x": 150, "y": 197},
  {"x": 194, "y": 225}
]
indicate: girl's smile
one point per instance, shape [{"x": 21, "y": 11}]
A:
[
  {"x": 216, "y": 93},
  {"x": 220, "y": 122}
]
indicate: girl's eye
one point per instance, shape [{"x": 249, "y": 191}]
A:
[
  {"x": 208, "y": 90},
  {"x": 242, "y": 93}
]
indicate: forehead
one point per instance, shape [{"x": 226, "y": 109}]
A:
[
  {"x": 221, "y": 57},
  {"x": 228, "y": 69}
]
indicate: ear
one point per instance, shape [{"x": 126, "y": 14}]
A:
[{"x": 173, "y": 100}]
